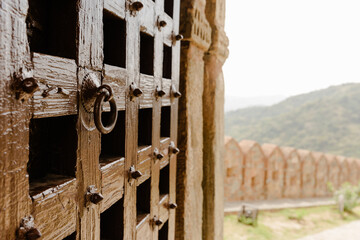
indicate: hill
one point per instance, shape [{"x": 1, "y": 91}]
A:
[{"x": 326, "y": 120}]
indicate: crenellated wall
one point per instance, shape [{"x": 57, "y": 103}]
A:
[{"x": 255, "y": 172}]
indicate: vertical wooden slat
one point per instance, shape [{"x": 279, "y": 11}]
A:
[
  {"x": 90, "y": 58},
  {"x": 155, "y": 166},
  {"x": 14, "y": 119},
  {"x": 174, "y": 118},
  {"x": 131, "y": 124}
]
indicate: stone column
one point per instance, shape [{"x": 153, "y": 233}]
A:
[
  {"x": 197, "y": 35},
  {"x": 213, "y": 117}
]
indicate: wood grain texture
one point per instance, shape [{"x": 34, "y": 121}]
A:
[
  {"x": 147, "y": 17},
  {"x": 54, "y": 210},
  {"x": 90, "y": 59},
  {"x": 14, "y": 116},
  {"x": 175, "y": 77},
  {"x": 148, "y": 88},
  {"x": 61, "y": 208},
  {"x": 164, "y": 209},
  {"x": 90, "y": 34},
  {"x": 56, "y": 72},
  {"x": 116, "y": 77},
  {"x": 116, "y": 7},
  {"x": 144, "y": 229},
  {"x": 145, "y": 157},
  {"x": 131, "y": 125},
  {"x": 112, "y": 182}
]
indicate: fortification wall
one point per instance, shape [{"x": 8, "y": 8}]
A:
[{"x": 257, "y": 172}]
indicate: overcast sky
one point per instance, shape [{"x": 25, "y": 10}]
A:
[{"x": 287, "y": 47}]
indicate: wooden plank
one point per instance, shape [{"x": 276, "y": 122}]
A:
[
  {"x": 147, "y": 18},
  {"x": 143, "y": 229},
  {"x": 164, "y": 149},
  {"x": 88, "y": 173},
  {"x": 90, "y": 59},
  {"x": 156, "y": 121},
  {"x": 166, "y": 86},
  {"x": 131, "y": 124},
  {"x": 167, "y": 31},
  {"x": 164, "y": 209},
  {"x": 14, "y": 119},
  {"x": 148, "y": 88},
  {"x": 54, "y": 210},
  {"x": 116, "y": 7},
  {"x": 145, "y": 155},
  {"x": 112, "y": 181},
  {"x": 54, "y": 73},
  {"x": 116, "y": 78},
  {"x": 90, "y": 35},
  {"x": 174, "y": 118}
]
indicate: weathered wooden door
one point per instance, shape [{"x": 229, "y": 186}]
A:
[{"x": 87, "y": 180}]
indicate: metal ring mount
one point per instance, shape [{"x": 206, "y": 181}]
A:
[{"x": 105, "y": 95}]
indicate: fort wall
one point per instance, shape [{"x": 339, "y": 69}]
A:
[{"x": 268, "y": 171}]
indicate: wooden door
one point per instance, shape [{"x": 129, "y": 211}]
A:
[{"x": 84, "y": 184}]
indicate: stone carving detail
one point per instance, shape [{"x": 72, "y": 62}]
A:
[
  {"x": 198, "y": 31},
  {"x": 201, "y": 30}
]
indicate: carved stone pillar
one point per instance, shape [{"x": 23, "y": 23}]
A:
[
  {"x": 213, "y": 118},
  {"x": 197, "y": 35}
]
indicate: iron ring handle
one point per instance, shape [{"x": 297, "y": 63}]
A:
[{"x": 105, "y": 96}]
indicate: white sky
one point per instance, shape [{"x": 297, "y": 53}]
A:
[{"x": 287, "y": 47}]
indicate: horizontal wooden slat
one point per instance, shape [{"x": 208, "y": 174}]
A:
[
  {"x": 166, "y": 86},
  {"x": 167, "y": 31},
  {"x": 55, "y": 212},
  {"x": 56, "y": 72},
  {"x": 147, "y": 17},
  {"x": 143, "y": 228},
  {"x": 148, "y": 88},
  {"x": 144, "y": 163},
  {"x": 164, "y": 149},
  {"x": 116, "y": 7},
  {"x": 112, "y": 181},
  {"x": 116, "y": 78},
  {"x": 164, "y": 209}
]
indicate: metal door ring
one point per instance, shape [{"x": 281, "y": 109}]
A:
[{"x": 105, "y": 96}]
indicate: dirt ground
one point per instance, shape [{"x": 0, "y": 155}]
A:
[{"x": 287, "y": 224}]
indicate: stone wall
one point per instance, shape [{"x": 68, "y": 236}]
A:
[{"x": 254, "y": 172}]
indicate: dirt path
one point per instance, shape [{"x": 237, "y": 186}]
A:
[
  {"x": 234, "y": 207},
  {"x": 346, "y": 232}
]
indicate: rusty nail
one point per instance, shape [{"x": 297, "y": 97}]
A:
[
  {"x": 175, "y": 92},
  {"x": 179, "y": 37},
  {"x": 162, "y": 23},
  {"x": 63, "y": 91},
  {"x": 135, "y": 91},
  {"x": 29, "y": 85},
  {"x": 173, "y": 148},
  {"x": 49, "y": 91},
  {"x": 160, "y": 92},
  {"x": 135, "y": 174},
  {"x": 95, "y": 198},
  {"x": 136, "y": 6},
  {"x": 27, "y": 230},
  {"x": 158, "y": 221},
  {"x": 33, "y": 234},
  {"x": 157, "y": 154},
  {"x": 24, "y": 84},
  {"x": 172, "y": 205},
  {"x": 93, "y": 195}
]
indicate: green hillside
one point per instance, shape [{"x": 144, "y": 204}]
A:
[{"x": 327, "y": 120}]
